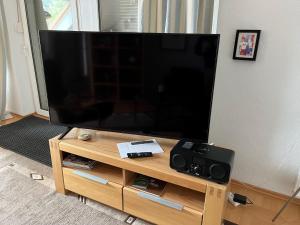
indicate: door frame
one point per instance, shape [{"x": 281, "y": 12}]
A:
[
  {"x": 30, "y": 62},
  {"x": 79, "y": 21}
]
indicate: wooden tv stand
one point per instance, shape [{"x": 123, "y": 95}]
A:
[{"x": 184, "y": 200}]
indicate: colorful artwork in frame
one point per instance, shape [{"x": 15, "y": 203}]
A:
[{"x": 246, "y": 44}]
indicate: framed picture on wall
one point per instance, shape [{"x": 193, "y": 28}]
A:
[{"x": 246, "y": 44}]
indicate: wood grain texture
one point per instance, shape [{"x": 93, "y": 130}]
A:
[
  {"x": 156, "y": 213},
  {"x": 40, "y": 116},
  {"x": 190, "y": 198},
  {"x": 103, "y": 148},
  {"x": 156, "y": 191},
  {"x": 187, "y": 190},
  {"x": 215, "y": 200},
  {"x": 14, "y": 119},
  {"x": 265, "y": 192},
  {"x": 109, "y": 194},
  {"x": 56, "y": 158},
  {"x": 108, "y": 172},
  {"x": 128, "y": 177},
  {"x": 263, "y": 210}
]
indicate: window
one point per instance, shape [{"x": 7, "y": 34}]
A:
[
  {"x": 58, "y": 14},
  {"x": 119, "y": 15}
]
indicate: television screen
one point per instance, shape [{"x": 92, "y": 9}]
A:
[{"x": 145, "y": 83}]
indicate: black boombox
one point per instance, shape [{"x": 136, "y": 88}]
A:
[{"x": 202, "y": 160}]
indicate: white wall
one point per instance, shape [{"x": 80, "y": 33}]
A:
[
  {"x": 256, "y": 108},
  {"x": 20, "y": 97}
]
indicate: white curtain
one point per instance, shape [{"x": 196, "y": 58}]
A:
[
  {"x": 36, "y": 20},
  {"x": 176, "y": 16},
  {"x": 3, "y": 67}
]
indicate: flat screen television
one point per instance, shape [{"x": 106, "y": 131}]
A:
[{"x": 143, "y": 83}]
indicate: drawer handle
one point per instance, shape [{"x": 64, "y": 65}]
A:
[
  {"x": 90, "y": 177},
  {"x": 161, "y": 201}
]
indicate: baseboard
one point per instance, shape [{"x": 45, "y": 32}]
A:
[
  {"x": 298, "y": 184},
  {"x": 40, "y": 116},
  {"x": 265, "y": 191},
  {"x": 6, "y": 116}
]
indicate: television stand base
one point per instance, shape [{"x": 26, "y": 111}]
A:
[
  {"x": 65, "y": 133},
  {"x": 183, "y": 199}
]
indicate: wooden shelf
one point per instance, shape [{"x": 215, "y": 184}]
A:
[
  {"x": 190, "y": 198},
  {"x": 93, "y": 187},
  {"x": 103, "y": 148},
  {"x": 159, "y": 210},
  {"x": 111, "y": 173},
  {"x": 184, "y": 199},
  {"x": 187, "y": 197},
  {"x": 155, "y": 191}
]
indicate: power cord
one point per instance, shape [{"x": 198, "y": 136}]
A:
[{"x": 237, "y": 199}]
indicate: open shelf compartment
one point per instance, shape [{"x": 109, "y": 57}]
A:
[
  {"x": 171, "y": 192},
  {"x": 102, "y": 171}
]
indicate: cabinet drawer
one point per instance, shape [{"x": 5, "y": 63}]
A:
[
  {"x": 93, "y": 187},
  {"x": 158, "y": 210}
]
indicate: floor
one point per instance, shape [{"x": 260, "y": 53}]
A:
[
  {"x": 260, "y": 213},
  {"x": 263, "y": 210},
  {"x": 15, "y": 168},
  {"x": 12, "y": 120}
]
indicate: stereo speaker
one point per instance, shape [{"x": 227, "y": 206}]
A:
[{"x": 202, "y": 160}]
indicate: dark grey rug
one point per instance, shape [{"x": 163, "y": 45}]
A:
[{"x": 29, "y": 137}]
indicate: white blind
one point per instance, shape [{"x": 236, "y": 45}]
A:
[
  {"x": 119, "y": 15},
  {"x": 129, "y": 15}
]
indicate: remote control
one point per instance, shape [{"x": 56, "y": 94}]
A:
[
  {"x": 139, "y": 155},
  {"x": 142, "y": 142}
]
